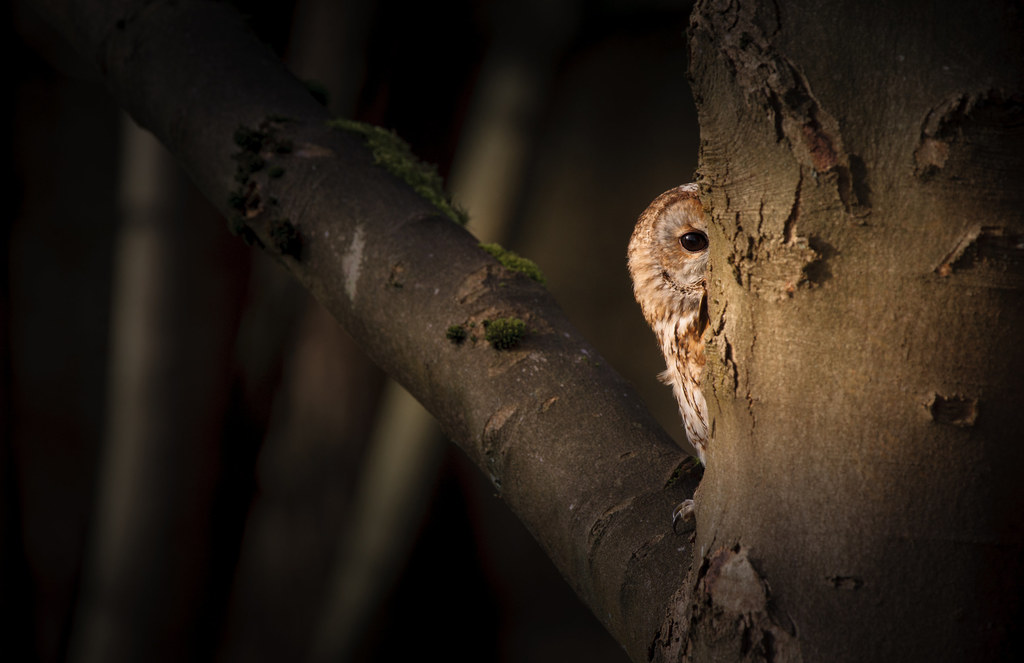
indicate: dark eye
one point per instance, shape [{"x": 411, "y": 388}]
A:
[{"x": 694, "y": 241}]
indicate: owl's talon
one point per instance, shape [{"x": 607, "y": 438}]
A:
[{"x": 684, "y": 512}]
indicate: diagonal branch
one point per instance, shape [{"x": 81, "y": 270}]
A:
[{"x": 563, "y": 438}]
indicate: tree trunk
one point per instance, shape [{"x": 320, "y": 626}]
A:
[{"x": 862, "y": 167}]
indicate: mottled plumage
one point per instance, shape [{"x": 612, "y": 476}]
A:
[{"x": 668, "y": 257}]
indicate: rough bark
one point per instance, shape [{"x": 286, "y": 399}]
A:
[
  {"x": 561, "y": 436},
  {"x": 863, "y": 168}
]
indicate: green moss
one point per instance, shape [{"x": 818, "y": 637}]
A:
[
  {"x": 250, "y": 140},
  {"x": 514, "y": 261},
  {"x": 237, "y": 226},
  {"x": 248, "y": 163},
  {"x": 395, "y": 155},
  {"x": 253, "y": 144},
  {"x": 504, "y": 333},
  {"x": 286, "y": 237},
  {"x": 236, "y": 200},
  {"x": 684, "y": 468},
  {"x": 456, "y": 334},
  {"x": 675, "y": 476}
]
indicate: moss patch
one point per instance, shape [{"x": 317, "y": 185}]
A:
[
  {"x": 255, "y": 145},
  {"x": 515, "y": 262},
  {"x": 237, "y": 227},
  {"x": 236, "y": 201},
  {"x": 690, "y": 467},
  {"x": 394, "y": 154},
  {"x": 286, "y": 238},
  {"x": 504, "y": 333},
  {"x": 456, "y": 334}
]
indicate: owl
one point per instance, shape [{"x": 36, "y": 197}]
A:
[{"x": 668, "y": 258}]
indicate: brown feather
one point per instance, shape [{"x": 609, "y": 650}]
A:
[{"x": 670, "y": 284}]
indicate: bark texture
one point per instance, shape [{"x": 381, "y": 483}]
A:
[
  {"x": 862, "y": 499},
  {"x": 562, "y": 437}
]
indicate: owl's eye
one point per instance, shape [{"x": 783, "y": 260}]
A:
[{"x": 694, "y": 241}]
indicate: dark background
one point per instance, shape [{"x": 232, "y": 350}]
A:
[{"x": 184, "y": 430}]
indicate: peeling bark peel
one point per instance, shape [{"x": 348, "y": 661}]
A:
[
  {"x": 557, "y": 430},
  {"x": 743, "y": 34}
]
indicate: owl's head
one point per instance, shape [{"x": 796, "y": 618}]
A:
[{"x": 668, "y": 253}]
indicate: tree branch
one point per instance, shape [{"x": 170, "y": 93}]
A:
[{"x": 562, "y": 436}]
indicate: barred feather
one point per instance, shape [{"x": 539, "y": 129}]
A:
[{"x": 669, "y": 283}]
